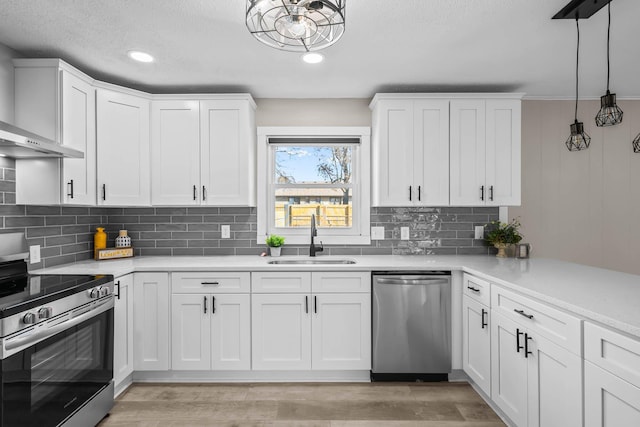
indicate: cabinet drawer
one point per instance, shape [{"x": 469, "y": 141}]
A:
[
  {"x": 476, "y": 288},
  {"x": 613, "y": 352},
  {"x": 336, "y": 281},
  {"x": 286, "y": 281},
  {"x": 210, "y": 282},
  {"x": 557, "y": 326}
]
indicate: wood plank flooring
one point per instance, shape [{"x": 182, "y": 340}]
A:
[{"x": 302, "y": 404}]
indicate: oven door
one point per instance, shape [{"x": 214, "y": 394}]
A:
[{"x": 46, "y": 382}]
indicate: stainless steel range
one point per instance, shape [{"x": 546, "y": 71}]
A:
[{"x": 56, "y": 344}]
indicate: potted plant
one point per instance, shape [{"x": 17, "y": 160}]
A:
[
  {"x": 501, "y": 234},
  {"x": 275, "y": 243}
]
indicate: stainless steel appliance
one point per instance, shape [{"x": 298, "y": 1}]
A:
[
  {"x": 21, "y": 144},
  {"x": 411, "y": 326},
  {"x": 56, "y": 344}
]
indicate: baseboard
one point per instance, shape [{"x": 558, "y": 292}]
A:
[
  {"x": 505, "y": 419},
  {"x": 123, "y": 385},
  {"x": 250, "y": 376}
]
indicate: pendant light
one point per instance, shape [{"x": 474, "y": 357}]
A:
[
  {"x": 636, "y": 144},
  {"x": 579, "y": 140},
  {"x": 610, "y": 114}
]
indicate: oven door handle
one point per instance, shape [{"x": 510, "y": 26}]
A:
[{"x": 43, "y": 332}]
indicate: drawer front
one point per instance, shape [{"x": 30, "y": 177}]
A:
[
  {"x": 476, "y": 288},
  {"x": 557, "y": 326},
  {"x": 613, "y": 352},
  {"x": 286, "y": 281},
  {"x": 336, "y": 282},
  {"x": 210, "y": 282}
]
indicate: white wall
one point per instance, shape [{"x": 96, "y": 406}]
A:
[
  {"x": 313, "y": 112},
  {"x": 581, "y": 206},
  {"x": 6, "y": 83}
]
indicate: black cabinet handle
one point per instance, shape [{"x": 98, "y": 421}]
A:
[
  {"x": 518, "y": 346},
  {"x": 204, "y": 193},
  {"x": 522, "y": 313},
  {"x": 104, "y": 191},
  {"x": 315, "y": 304},
  {"x": 409, "y": 193},
  {"x": 484, "y": 322},
  {"x": 70, "y": 193},
  {"x": 209, "y": 283},
  {"x": 482, "y": 192},
  {"x": 491, "y": 193},
  {"x": 118, "y": 286},
  {"x": 194, "y": 192},
  {"x": 306, "y": 304},
  {"x": 419, "y": 193},
  {"x": 213, "y": 305},
  {"x": 526, "y": 345},
  {"x": 473, "y": 289},
  {"x": 205, "y": 305}
]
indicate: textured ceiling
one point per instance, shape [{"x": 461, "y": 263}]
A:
[{"x": 390, "y": 46}]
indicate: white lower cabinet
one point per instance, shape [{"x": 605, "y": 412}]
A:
[
  {"x": 609, "y": 401},
  {"x": 123, "y": 330},
  {"x": 476, "y": 343},
  {"x": 210, "y": 332},
  {"x": 151, "y": 321},
  {"x": 534, "y": 381}
]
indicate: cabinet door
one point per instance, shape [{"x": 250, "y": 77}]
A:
[
  {"x": 503, "y": 152},
  {"x": 281, "y": 331},
  {"x": 609, "y": 401},
  {"x": 151, "y": 321},
  {"x": 341, "y": 331},
  {"x": 392, "y": 154},
  {"x": 231, "y": 332},
  {"x": 175, "y": 153},
  {"x": 467, "y": 149},
  {"x": 476, "y": 343},
  {"x": 79, "y": 132},
  {"x": 508, "y": 368},
  {"x": 123, "y": 149},
  {"x": 431, "y": 152},
  {"x": 123, "y": 329},
  {"x": 190, "y": 332},
  {"x": 228, "y": 153},
  {"x": 555, "y": 385}
]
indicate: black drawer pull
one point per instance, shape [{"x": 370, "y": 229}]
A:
[
  {"x": 118, "y": 286},
  {"x": 194, "y": 192},
  {"x": 522, "y": 313},
  {"x": 484, "y": 322},
  {"x": 491, "y": 193},
  {"x": 213, "y": 305},
  {"x": 104, "y": 191},
  {"x": 409, "y": 193},
  {"x": 473, "y": 289},
  {"x": 209, "y": 283},
  {"x": 306, "y": 304},
  {"x": 526, "y": 345},
  {"x": 419, "y": 193},
  {"x": 518, "y": 346},
  {"x": 70, "y": 193},
  {"x": 482, "y": 192},
  {"x": 205, "y": 305},
  {"x": 315, "y": 304}
]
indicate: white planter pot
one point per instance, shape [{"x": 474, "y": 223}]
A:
[{"x": 275, "y": 251}]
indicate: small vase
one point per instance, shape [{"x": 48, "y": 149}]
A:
[
  {"x": 99, "y": 241},
  {"x": 501, "y": 250},
  {"x": 123, "y": 240},
  {"x": 275, "y": 251}
]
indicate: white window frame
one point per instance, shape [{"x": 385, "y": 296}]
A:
[{"x": 360, "y": 232}]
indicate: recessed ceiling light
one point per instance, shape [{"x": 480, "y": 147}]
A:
[
  {"x": 140, "y": 56},
  {"x": 312, "y": 58}
]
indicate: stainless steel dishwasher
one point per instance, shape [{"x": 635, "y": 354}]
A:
[{"x": 411, "y": 326}]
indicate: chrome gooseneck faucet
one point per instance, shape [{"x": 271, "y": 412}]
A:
[{"x": 314, "y": 232}]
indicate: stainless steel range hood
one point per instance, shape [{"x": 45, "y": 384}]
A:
[{"x": 21, "y": 144}]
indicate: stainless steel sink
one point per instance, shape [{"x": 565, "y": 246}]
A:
[{"x": 312, "y": 261}]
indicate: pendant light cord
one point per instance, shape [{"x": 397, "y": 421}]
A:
[
  {"x": 577, "y": 63},
  {"x": 608, "y": 43}
]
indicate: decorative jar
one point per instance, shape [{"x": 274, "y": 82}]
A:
[{"x": 123, "y": 240}]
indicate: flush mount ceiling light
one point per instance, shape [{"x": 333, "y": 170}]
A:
[
  {"x": 296, "y": 25},
  {"x": 610, "y": 114},
  {"x": 312, "y": 58},
  {"x": 140, "y": 56},
  {"x": 579, "y": 139}
]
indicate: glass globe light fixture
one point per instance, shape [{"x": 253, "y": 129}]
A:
[{"x": 296, "y": 25}]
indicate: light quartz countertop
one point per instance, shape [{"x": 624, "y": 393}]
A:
[{"x": 609, "y": 297}]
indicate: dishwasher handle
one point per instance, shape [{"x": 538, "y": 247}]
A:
[{"x": 413, "y": 281}]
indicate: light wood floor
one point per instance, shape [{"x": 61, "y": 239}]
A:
[{"x": 295, "y": 404}]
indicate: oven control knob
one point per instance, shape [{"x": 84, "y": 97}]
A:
[
  {"x": 94, "y": 293},
  {"x": 45, "y": 312},
  {"x": 29, "y": 318},
  {"x": 104, "y": 292}
]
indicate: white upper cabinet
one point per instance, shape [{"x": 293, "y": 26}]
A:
[
  {"x": 203, "y": 151},
  {"x": 123, "y": 330},
  {"x": 175, "y": 152},
  {"x": 410, "y": 151},
  {"x": 56, "y": 101},
  {"x": 485, "y": 152},
  {"x": 123, "y": 149}
]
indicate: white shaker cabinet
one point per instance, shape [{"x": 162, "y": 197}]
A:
[
  {"x": 123, "y": 149},
  {"x": 410, "y": 151},
  {"x": 123, "y": 331},
  {"x": 485, "y": 152},
  {"x": 476, "y": 343},
  {"x": 151, "y": 321},
  {"x": 56, "y": 101}
]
